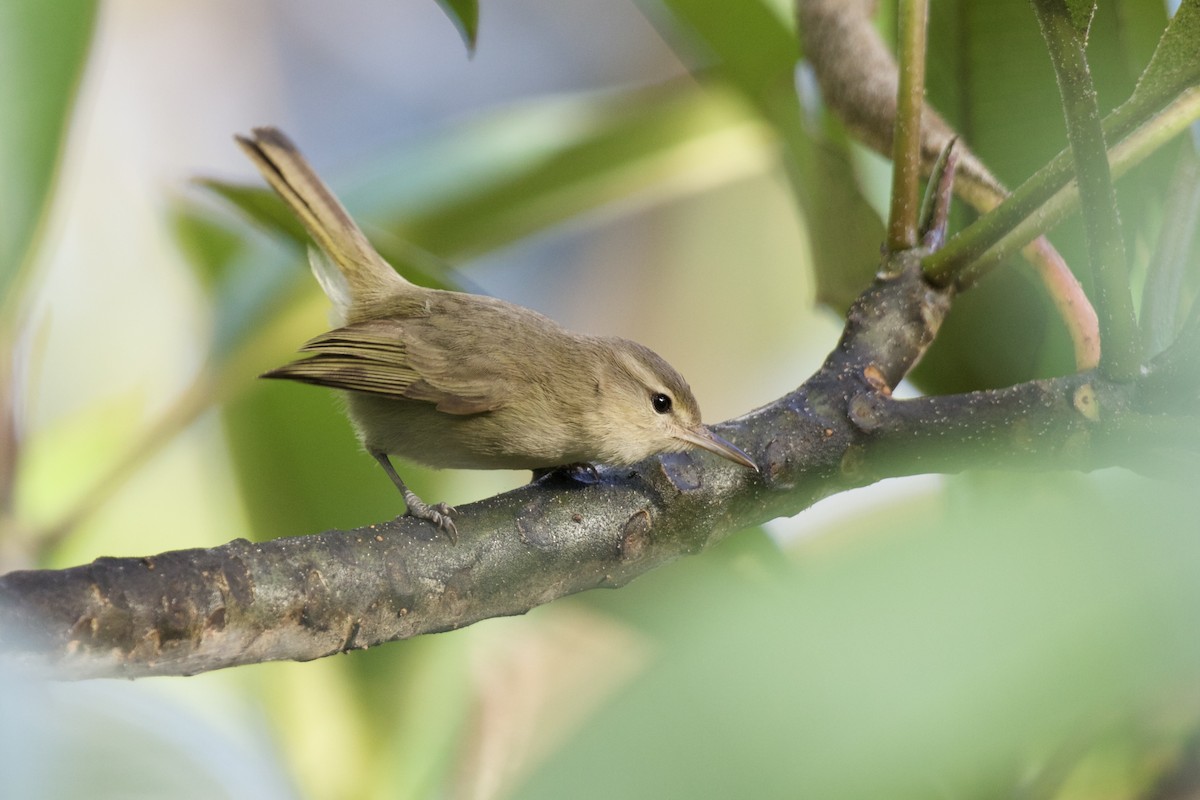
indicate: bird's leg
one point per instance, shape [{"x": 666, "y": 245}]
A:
[{"x": 438, "y": 514}]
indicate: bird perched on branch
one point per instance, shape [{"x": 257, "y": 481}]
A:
[{"x": 459, "y": 380}]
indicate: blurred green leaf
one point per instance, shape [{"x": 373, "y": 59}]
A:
[
  {"x": 1001, "y": 333},
  {"x": 390, "y": 718},
  {"x": 250, "y": 282},
  {"x": 845, "y": 232},
  {"x": 465, "y": 16},
  {"x": 941, "y": 657},
  {"x": 299, "y": 465},
  {"x": 43, "y": 47},
  {"x": 590, "y": 152},
  {"x": 418, "y": 697},
  {"x": 209, "y": 244},
  {"x": 63, "y": 460},
  {"x": 259, "y": 285},
  {"x": 750, "y": 43},
  {"x": 489, "y": 183},
  {"x": 1171, "y": 277},
  {"x": 261, "y": 205}
]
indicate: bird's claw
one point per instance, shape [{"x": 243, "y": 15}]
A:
[{"x": 438, "y": 514}]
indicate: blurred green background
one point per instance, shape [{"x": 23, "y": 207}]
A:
[{"x": 619, "y": 166}]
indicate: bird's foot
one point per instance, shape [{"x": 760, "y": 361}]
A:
[{"x": 438, "y": 514}]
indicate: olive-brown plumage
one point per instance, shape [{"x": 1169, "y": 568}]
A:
[{"x": 459, "y": 380}]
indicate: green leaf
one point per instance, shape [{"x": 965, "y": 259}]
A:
[
  {"x": 209, "y": 245},
  {"x": 488, "y": 183},
  {"x": 465, "y": 16},
  {"x": 1168, "y": 293},
  {"x": 1174, "y": 66},
  {"x": 750, "y": 43},
  {"x": 62, "y": 461},
  {"x": 265, "y": 208},
  {"x": 43, "y": 47},
  {"x": 563, "y": 159},
  {"x": 844, "y": 230}
]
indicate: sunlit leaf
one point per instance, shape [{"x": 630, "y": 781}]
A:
[{"x": 66, "y": 458}]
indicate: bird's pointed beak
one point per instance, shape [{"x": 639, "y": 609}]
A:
[{"x": 700, "y": 436}]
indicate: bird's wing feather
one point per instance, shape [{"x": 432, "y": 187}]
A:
[{"x": 390, "y": 358}]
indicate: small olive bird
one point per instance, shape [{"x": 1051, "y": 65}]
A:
[{"x": 459, "y": 380}]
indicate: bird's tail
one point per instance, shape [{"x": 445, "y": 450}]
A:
[{"x": 361, "y": 276}]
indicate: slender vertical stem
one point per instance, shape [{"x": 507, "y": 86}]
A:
[
  {"x": 906, "y": 143},
  {"x": 1120, "y": 355}
]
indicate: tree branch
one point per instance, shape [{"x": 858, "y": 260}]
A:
[
  {"x": 860, "y": 81},
  {"x": 306, "y": 597}
]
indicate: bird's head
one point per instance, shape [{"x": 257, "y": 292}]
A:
[{"x": 645, "y": 407}]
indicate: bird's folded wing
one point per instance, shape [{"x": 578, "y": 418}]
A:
[{"x": 376, "y": 357}]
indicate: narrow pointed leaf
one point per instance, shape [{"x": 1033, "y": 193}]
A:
[{"x": 465, "y": 16}]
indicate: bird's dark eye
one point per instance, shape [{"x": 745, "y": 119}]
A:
[{"x": 661, "y": 403}]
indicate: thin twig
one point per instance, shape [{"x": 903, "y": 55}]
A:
[{"x": 1069, "y": 299}]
